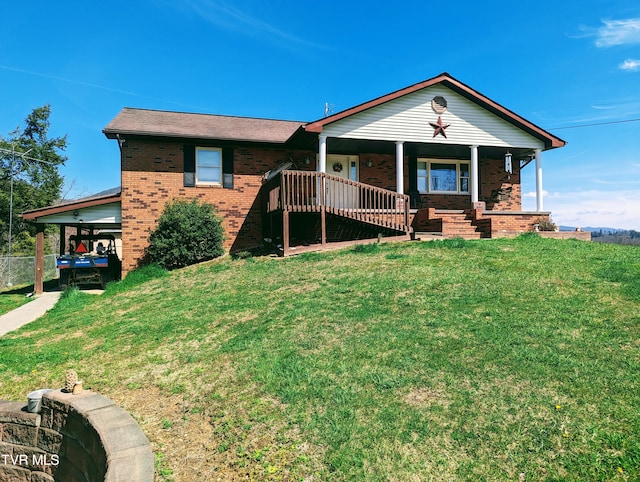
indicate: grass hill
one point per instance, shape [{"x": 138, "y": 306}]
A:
[{"x": 452, "y": 360}]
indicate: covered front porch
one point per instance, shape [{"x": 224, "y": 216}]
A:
[
  {"x": 443, "y": 155},
  {"x": 311, "y": 210},
  {"x": 396, "y": 191}
]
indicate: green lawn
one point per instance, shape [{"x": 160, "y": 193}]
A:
[
  {"x": 454, "y": 360},
  {"x": 10, "y": 299}
]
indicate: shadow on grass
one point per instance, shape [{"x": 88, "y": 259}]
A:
[
  {"x": 50, "y": 285},
  {"x": 136, "y": 277},
  {"x": 627, "y": 274}
]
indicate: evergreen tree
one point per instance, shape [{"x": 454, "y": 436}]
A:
[{"x": 30, "y": 159}]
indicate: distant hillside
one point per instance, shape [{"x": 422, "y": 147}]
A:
[
  {"x": 591, "y": 229},
  {"x": 616, "y": 236}
]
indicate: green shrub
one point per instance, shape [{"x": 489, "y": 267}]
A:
[
  {"x": 188, "y": 232},
  {"x": 545, "y": 224}
]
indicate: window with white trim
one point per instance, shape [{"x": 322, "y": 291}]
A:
[
  {"x": 438, "y": 176},
  {"x": 208, "y": 165}
]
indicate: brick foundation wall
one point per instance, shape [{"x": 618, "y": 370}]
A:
[
  {"x": 505, "y": 224},
  {"x": 512, "y": 224},
  {"x": 474, "y": 223},
  {"x": 76, "y": 438}
]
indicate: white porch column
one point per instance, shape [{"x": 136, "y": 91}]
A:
[
  {"x": 474, "y": 174},
  {"x": 539, "y": 201},
  {"x": 322, "y": 157},
  {"x": 400, "y": 167}
]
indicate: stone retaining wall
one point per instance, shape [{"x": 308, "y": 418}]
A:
[{"x": 83, "y": 438}]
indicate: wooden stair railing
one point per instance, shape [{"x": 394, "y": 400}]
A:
[{"x": 309, "y": 191}]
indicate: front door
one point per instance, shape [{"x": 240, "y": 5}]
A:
[
  {"x": 342, "y": 195},
  {"x": 345, "y": 167}
]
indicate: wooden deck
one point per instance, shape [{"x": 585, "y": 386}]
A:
[{"x": 292, "y": 192}]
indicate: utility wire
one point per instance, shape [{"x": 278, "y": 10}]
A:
[
  {"x": 19, "y": 154},
  {"x": 591, "y": 125}
]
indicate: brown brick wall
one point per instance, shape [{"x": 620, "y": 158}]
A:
[
  {"x": 382, "y": 172},
  {"x": 152, "y": 174},
  {"x": 498, "y": 189}
]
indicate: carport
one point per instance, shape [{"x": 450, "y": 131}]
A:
[{"x": 87, "y": 215}]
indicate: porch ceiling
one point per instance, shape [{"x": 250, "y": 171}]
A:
[
  {"x": 303, "y": 140},
  {"x": 464, "y": 152}
]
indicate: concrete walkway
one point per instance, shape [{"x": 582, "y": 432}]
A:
[{"x": 28, "y": 312}]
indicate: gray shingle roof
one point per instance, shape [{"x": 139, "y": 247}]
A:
[{"x": 199, "y": 126}]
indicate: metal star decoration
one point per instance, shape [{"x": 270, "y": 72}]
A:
[{"x": 439, "y": 127}]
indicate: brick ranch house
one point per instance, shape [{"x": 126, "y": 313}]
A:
[{"x": 434, "y": 157}]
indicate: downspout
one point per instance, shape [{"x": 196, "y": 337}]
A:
[{"x": 121, "y": 142}]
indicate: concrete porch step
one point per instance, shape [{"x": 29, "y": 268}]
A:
[{"x": 426, "y": 236}]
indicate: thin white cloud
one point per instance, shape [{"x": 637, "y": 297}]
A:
[
  {"x": 63, "y": 79},
  {"x": 630, "y": 64},
  {"x": 87, "y": 84},
  {"x": 614, "y": 112},
  {"x": 595, "y": 208},
  {"x": 231, "y": 17},
  {"x": 618, "y": 32},
  {"x": 616, "y": 182}
]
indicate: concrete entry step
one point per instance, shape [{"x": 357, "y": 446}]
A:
[{"x": 426, "y": 236}]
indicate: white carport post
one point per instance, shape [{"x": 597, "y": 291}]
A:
[
  {"x": 322, "y": 154},
  {"x": 539, "y": 201},
  {"x": 474, "y": 174},
  {"x": 400, "y": 167}
]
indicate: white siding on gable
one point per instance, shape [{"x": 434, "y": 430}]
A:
[
  {"x": 104, "y": 214},
  {"x": 407, "y": 119}
]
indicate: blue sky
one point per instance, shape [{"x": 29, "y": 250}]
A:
[{"x": 572, "y": 67}]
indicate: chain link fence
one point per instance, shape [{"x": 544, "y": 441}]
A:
[{"x": 19, "y": 270}]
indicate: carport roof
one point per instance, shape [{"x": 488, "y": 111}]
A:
[{"x": 100, "y": 199}]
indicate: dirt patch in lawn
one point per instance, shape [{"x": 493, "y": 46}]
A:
[{"x": 245, "y": 438}]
